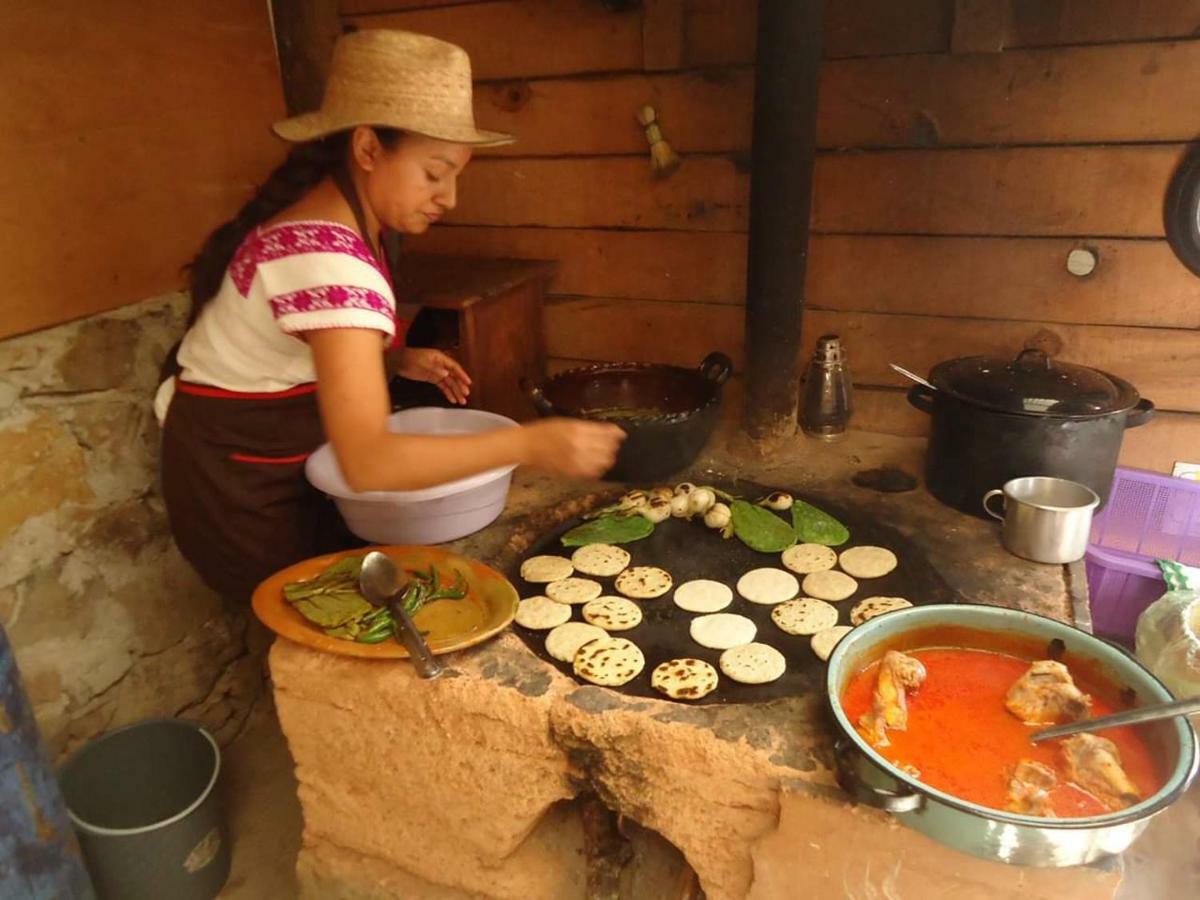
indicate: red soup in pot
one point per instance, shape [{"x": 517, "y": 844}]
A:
[{"x": 961, "y": 738}]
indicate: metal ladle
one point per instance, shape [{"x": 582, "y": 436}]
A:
[
  {"x": 380, "y": 583},
  {"x": 1153, "y": 713},
  {"x": 912, "y": 376}
]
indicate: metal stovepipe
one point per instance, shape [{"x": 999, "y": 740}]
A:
[{"x": 785, "y": 132}]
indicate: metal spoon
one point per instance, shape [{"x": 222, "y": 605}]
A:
[
  {"x": 1152, "y": 713},
  {"x": 912, "y": 376},
  {"x": 379, "y": 581}
]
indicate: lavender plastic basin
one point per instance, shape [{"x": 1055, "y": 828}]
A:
[{"x": 432, "y": 515}]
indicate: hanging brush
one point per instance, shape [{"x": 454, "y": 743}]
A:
[{"x": 663, "y": 160}]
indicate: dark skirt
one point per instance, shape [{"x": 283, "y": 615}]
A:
[{"x": 239, "y": 506}]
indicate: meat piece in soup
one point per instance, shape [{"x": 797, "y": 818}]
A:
[
  {"x": 1029, "y": 789},
  {"x": 898, "y": 673},
  {"x": 1046, "y": 695},
  {"x": 1094, "y": 763}
]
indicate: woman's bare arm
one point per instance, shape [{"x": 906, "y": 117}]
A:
[{"x": 353, "y": 399}]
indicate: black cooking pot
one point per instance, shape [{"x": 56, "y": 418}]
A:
[
  {"x": 994, "y": 420},
  {"x": 667, "y": 411}
]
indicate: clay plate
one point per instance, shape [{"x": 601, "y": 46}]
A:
[{"x": 450, "y": 625}]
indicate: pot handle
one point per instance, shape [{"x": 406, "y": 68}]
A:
[
  {"x": 987, "y": 509},
  {"x": 901, "y": 801},
  {"x": 716, "y": 367},
  {"x": 1140, "y": 414},
  {"x": 536, "y": 396},
  {"x": 921, "y": 397}
]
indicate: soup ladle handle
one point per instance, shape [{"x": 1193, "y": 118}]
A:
[{"x": 1153, "y": 713}]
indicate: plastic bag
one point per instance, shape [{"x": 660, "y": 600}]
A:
[{"x": 1168, "y": 641}]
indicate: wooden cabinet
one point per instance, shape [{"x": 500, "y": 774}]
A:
[{"x": 488, "y": 314}]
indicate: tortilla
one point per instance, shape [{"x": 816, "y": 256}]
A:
[
  {"x": 867, "y": 562},
  {"x": 563, "y": 641},
  {"x": 875, "y": 606},
  {"x": 541, "y": 613},
  {"x": 684, "y": 679},
  {"x": 644, "y": 582},
  {"x": 609, "y": 661},
  {"x": 823, "y": 642},
  {"x": 703, "y": 596},
  {"x": 829, "y": 585},
  {"x": 543, "y": 569},
  {"x": 720, "y": 631},
  {"x": 768, "y": 586},
  {"x": 602, "y": 560},
  {"x": 574, "y": 590},
  {"x": 804, "y": 559},
  {"x": 804, "y": 616},
  {"x": 753, "y": 663},
  {"x": 612, "y": 613}
]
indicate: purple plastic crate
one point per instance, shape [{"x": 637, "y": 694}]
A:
[
  {"x": 1148, "y": 517},
  {"x": 1154, "y": 515}
]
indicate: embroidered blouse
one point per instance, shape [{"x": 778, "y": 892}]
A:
[{"x": 284, "y": 280}]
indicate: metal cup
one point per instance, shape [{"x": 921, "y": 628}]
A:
[{"x": 1047, "y": 520}]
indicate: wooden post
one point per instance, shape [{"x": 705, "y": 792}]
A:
[
  {"x": 785, "y": 129},
  {"x": 305, "y": 31}
]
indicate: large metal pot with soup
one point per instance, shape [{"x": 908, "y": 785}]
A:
[{"x": 934, "y": 728}]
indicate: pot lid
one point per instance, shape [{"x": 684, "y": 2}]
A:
[{"x": 1034, "y": 384}]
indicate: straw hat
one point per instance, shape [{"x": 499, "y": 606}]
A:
[{"x": 395, "y": 79}]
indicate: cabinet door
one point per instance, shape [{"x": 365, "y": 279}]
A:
[{"x": 502, "y": 342}]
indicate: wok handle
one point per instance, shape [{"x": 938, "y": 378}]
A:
[
  {"x": 716, "y": 367},
  {"x": 987, "y": 509},
  {"x": 1140, "y": 414},
  {"x": 536, "y": 396},
  {"x": 901, "y": 801},
  {"x": 921, "y": 397}
]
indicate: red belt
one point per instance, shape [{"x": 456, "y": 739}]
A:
[{"x": 207, "y": 390}]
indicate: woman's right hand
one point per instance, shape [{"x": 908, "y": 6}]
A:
[{"x": 573, "y": 447}]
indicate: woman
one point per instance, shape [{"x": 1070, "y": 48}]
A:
[{"x": 292, "y": 311}]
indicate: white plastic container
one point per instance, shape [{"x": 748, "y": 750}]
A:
[{"x": 432, "y": 515}]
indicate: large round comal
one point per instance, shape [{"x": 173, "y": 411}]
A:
[
  {"x": 994, "y": 420},
  {"x": 980, "y": 830},
  {"x": 432, "y": 515},
  {"x": 667, "y": 412}
]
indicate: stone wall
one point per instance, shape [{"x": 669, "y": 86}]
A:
[{"x": 108, "y": 622}]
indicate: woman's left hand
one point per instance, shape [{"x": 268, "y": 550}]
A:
[{"x": 435, "y": 367}]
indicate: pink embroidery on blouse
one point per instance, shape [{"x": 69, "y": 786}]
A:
[
  {"x": 330, "y": 296},
  {"x": 290, "y": 239}
]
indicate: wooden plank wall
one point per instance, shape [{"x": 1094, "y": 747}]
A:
[
  {"x": 966, "y": 148},
  {"x": 131, "y": 129}
]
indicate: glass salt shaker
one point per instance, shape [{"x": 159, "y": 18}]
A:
[{"x": 828, "y": 401}]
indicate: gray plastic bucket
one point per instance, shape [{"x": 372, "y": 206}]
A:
[{"x": 144, "y": 805}]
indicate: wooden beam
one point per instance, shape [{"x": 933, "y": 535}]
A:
[
  {"x": 1047, "y": 23},
  {"x": 980, "y": 26},
  {"x": 305, "y": 31},
  {"x": 699, "y": 112},
  {"x": 1138, "y": 283},
  {"x": 705, "y": 193},
  {"x": 686, "y": 266},
  {"x": 1118, "y": 94},
  {"x": 557, "y": 37},
  {"x": 662, "y": 34},
  {"x": 1160, "y": 362},
  {"x": 1063, "y": 191},
  {"x": 523, "y": 38},
  {"x": 1081, "y": 95}
]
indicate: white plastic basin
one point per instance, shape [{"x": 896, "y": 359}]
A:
[{"x": 431, "y": 515}]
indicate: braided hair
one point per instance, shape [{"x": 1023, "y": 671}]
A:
[{"x": 305, "y": 166}]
